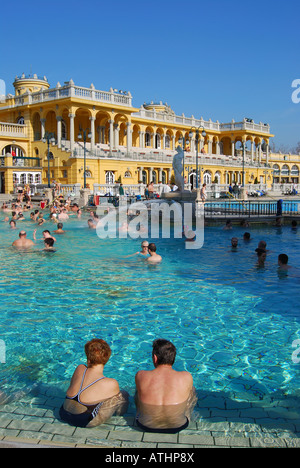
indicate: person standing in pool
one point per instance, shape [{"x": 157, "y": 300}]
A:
[
  {"x": 154, "y": 257},
  {"x": 164, "y": 397},
  {"x": 23, "y": 242},
  {"x": 92, "y": 398}
]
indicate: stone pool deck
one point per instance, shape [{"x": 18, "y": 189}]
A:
[{"x": 218, "y": 421}]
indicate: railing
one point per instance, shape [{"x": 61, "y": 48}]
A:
[
  {"x": 249, "y": 208},
  {"x": 207, "y": 124},
  {"x": 145, "y": 154},
  {"x": 13, "y": 130},
  {"x": 70, "y": 90}
]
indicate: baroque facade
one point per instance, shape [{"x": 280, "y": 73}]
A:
[{"x": 68, "y": 132}]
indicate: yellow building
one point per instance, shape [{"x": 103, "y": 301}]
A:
[{"x": 67, "y": 131}]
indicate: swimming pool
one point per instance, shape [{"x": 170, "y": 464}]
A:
[{"x": 233, "y": 323}]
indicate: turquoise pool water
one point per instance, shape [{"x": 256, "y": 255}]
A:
[{"x": 233, "y": 323}]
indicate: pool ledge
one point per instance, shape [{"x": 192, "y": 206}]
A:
[{"x": 34, "y": 423}]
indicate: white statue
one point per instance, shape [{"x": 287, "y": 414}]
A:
[{"x": 178, "y": 168}]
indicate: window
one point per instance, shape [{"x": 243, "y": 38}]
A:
[
  {"x": 65, "y": 174},
  {"x": 30, "y": 179},
  {"x": 167, "y": 141},
  {"x": 37, "y": 178},
  {"x": 109, "y": 177},
  {"x": 63, "y": 130},
  {"x": 127, "y": 174},
  {"x": 21, "y": 121},
  {"x": 147, "y": 139},
  {"x": 88, "y": 173},
  {"x": 285, "y": 170}
]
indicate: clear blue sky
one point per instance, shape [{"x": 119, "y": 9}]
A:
[{"x": 218, "y": 59}]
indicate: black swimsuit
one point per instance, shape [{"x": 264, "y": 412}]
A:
[{"x": 82, "y": 419}]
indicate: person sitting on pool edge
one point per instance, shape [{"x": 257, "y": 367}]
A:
[
  {"x": 92, "y": 398},
  {"x": 164, "y": 397}
]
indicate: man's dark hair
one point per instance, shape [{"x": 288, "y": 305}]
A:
[
  {"x": 283, "y": 258},
  {"x": 49, "y": 241},
  {"x": 152, "y": 247},
  {"x": 165, "y": 351}
]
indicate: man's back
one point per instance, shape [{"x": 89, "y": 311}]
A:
[
  {"x": 23, "y": 242},
  {"x": 163, "y": 386}
]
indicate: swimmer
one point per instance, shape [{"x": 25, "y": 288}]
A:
[
  {"x": 283, "y": 262},
  {"x": 91, "y": 224},
  {"x": 49, "y": 243},
  {"x": 261, "y": 256},
  {"x": 23, "y": 242},
  {"x": 228, "y": 225},
  {"x": 247, "y": 236},
  {"x": 63, "y": 214},
  {"x": 46, "y": 234},
  {"x": 12, "y": 224},
  {"x": 154, "y": 257},
  {"x": 234, "y": 242},
  {"x": 59, "y": 229},
  {"x": 144, "y": 250},
  {"x": 294, "y": 225}
]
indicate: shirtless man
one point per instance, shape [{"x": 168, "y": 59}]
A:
[
  {"x": 154, "y": 257},
  {"x": 23, "y": 242},
  {"x": 59, "y": 229},
  {"x": 165, "y": 397}
]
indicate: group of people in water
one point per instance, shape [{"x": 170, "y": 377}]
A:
[
  {"x": 164, "y": 398},
  {"x": 261, "y": 250}
]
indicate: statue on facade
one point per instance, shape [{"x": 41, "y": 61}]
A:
[{"x": 178, "y": 168}]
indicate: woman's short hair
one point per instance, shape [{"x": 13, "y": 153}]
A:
[
  {"x": 97, "y": 352},
  {"x": 165, "y": 351}
]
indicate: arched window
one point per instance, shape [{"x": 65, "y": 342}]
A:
[
  {"x": 21, "y": 121},
  {"x": 147, "y": 139},
  {"x": 285, "y": 170},
  {"x": 63, "y": 130},
  {"x": 207, "y": 177},
  {"x": 276, "y": 169},
  {"x": 144, "y": 177},
  {"x": 167, "y": 141},
  {"x": 88, "y": 173},
  {"x": 109, "y": 177},
  {"x": 127, "y": 174},
  {"x": 157, "y": 141},
  {"x": 163, "y": 177},
  {"x": 295, "y": 170}
]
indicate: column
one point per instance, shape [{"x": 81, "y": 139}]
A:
[
  {"x": 111, "y": 134},
  {"x": 43, "y": 122},
  {"x": 209, "y": 146},
  {"x": 141, "y": 139},
  {"x": 58, "y": 119},
  {"x": 267, "y": 153},
  {"x": 252, "y": 151},
  {"x": 116, "y": 136},
  {"x": 173, "y": 143},
  {"x": 129, "y": 137},
  {"x": 232, "y": 148},
  {"x": 259, "y": 153},
  {"x": 92, "y": 119},
  {"x": 72, "y": 117}
]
